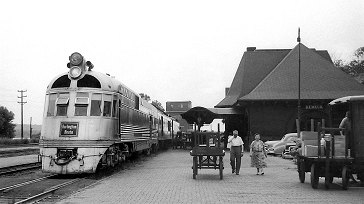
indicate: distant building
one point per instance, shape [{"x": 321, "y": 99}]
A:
[
  {"x": 175, "y": 109},
  {"x": 265, "y": 90}
]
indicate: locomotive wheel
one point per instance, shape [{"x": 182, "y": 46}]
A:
[
  {"x": 314, "y": 176},
  {"x": 194, "y": 167},
  {"x": 301, "y": 170},
  {"x": 221, "y": 167},
  {"x": 147, "y": 152},
  {"x": 345, "y": 177},
  {"x": 154, "y": 148},
  {"x": 110, "y": 161}
]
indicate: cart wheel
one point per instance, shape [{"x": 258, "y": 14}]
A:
[
  {"x": 221, "y": 166},
  {"x": 345, "y": 177},
  {"x": 301, "y": 170},
  {"x": 194, "y": 167},
  {"x": 314, "y": 176},
  {"x": 328, "y": 180}
]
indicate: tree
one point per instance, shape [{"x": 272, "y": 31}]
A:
[
  {"x": 144, "y": 96},
  {"x": 158, "y": 105},
  {"x": 359, "y": 53},
  {"x": 356, "y": 66},
  {"x": 6, "y": 125}
]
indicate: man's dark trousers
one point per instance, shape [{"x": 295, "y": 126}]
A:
[{"x": 235, "y": 157}]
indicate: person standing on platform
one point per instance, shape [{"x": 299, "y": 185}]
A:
[
  {"x": 258, "y": 154},
  {"x": 346, "y": 124},
  {"x": 236, "y": 150}
]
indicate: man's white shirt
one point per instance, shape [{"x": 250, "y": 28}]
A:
[{"x": 235, "y": 141}]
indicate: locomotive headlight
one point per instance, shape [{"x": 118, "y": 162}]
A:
[
  {"x": 75, "y": 72},
  {"x": 76, "y": 59}
]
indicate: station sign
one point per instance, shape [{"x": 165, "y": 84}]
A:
[
  {"x": 68, "y": 129},
  {"x": 314, "y": 107}
]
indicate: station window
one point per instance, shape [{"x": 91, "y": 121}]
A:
[
  {"x": 107, "y": 106},
  {"x": 95, "y": 105},
  {"x": 115, "y": 106},
  {"x": 51, "y": 104},
  {"x": 81, "y": 103},
  {"x": 62, "y": 104}
]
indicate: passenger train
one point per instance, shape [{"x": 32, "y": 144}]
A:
[{"x": 92, "y": 120}]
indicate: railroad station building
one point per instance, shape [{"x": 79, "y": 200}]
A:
[
  {"x": 175, "y": 109},
  {"x": 265, "y": 90}
]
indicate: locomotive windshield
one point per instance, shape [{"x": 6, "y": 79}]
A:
[
  {"x": 88, "y": 81},
  {"x": 62, "y": 82}
]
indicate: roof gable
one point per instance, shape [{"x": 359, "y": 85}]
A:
[
  {"x": 320, "y": 79},
  {"x": 253, "y": 67}
]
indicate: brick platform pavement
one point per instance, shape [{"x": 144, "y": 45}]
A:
[{"x": 167, "y": 178}]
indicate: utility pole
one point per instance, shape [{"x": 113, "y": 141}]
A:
[
  {"x": 22, "y": 102},
  {"x": 30, "y": 128}
]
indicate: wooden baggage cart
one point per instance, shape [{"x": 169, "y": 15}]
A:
[
  {"x": 326, "y": 164},
  {"x": 350, "y": 161},
  {"x": 207, "y": 153}
]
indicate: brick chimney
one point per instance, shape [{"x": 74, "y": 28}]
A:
[{"x": 251, "y": 49}]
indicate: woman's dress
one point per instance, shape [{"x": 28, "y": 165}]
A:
[{"x": 258, "y": 154}]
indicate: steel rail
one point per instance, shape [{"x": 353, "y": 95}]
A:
[
  {"x": 8, "y": 188},
  {"x": 19, "y": 167},
  {"x": 46, "y": 193}
]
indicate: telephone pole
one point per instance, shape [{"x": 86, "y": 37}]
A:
[
  {"x": 30, "y": 128},
  {"x": 22, "y": 102}
]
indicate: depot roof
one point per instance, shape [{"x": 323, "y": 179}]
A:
[{"x": 273, "y": 75}]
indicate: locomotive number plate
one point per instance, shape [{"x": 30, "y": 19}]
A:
[{"x": 68, "y": 129}]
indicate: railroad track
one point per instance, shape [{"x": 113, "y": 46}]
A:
[
  {"x": 47, "y": 192},
  {"x": 20, "y": 167},
  {"x": 27, "y": 192}
]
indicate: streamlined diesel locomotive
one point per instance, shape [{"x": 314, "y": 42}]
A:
[{"x": 92, "y": 120}]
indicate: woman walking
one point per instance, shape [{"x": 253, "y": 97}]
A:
[{"x": 258, "y": 155}]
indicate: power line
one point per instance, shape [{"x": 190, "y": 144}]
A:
[{"x": 22, "y": 102}]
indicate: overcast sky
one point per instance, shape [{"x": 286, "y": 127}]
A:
[{"x": 170, "y": 50}]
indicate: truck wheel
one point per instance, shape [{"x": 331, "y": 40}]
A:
[
  {"x": 314, "y": 176},
  {"x": 301, "y": 170},
  {"x": 345, "y": 177}
]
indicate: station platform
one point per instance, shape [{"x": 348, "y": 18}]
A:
[{"x": 167, "y": 178}]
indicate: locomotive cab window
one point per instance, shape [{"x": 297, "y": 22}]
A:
[
  {"x": 107, "y": 106},
  {"x": 62, "y": 82},
  {"x": 51, "y": 104},
  {"x": 88, "y": 81},
  {"x": 115, "y": 106},
  {"x": 81, "y": 104},
  {"x": 62, "y": 104},
  {"x": 95, "y": 105}
]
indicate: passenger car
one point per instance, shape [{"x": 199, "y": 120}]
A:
[
  {"x": 278, "y": 147},
  {"x": 288, "y": 150}
]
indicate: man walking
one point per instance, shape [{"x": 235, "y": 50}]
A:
[{"x": 236, "y": 149}]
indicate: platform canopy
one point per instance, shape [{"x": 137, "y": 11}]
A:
[{"x": 201, "y": 115}]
